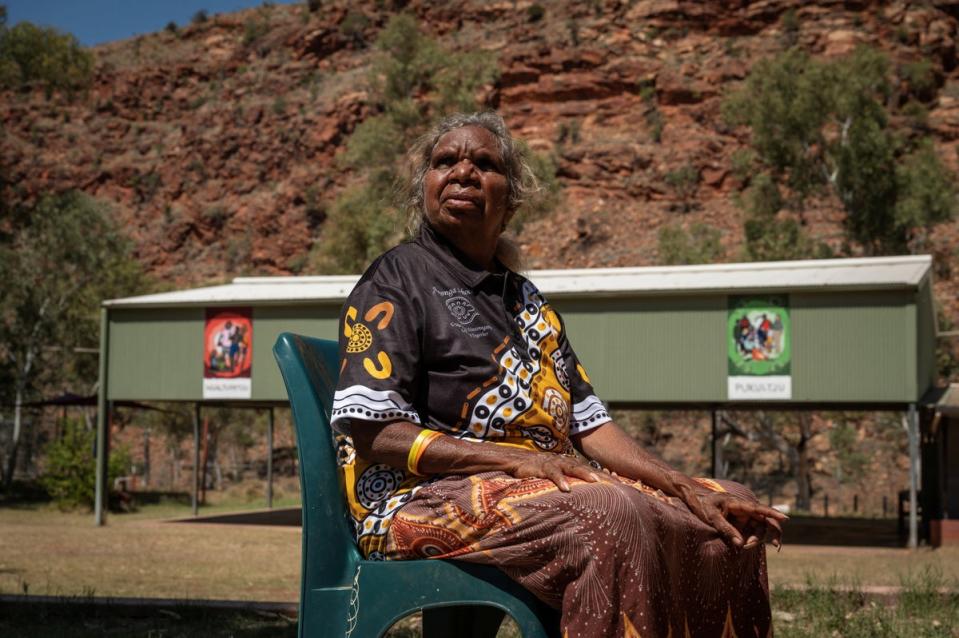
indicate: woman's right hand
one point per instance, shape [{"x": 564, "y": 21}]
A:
[
  {"x": 741, "y": 523},
  {"x": 555, "y": 467}
]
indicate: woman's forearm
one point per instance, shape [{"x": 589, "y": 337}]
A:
[
  {"x": 612, "y": 448},
  {"x": 390, "y": 443}
]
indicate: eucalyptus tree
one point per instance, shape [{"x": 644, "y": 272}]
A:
[{"x": 58, "y": 260}]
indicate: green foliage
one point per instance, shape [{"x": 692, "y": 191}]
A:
[
  {"x": 700, "y": 245},
  {"x": 743, "y": 164},
  {"x": 238, "y": 252},
  {"x": 822, "y": 127},
  {"x": 769, "y": 236},
  {"x": 572, "y": 27},
  {"x": 254, "y": 29},
  {"x": 353, "y": 26},
  {"x": 568, "y": 132},
  {"x": 59, "y": 260},
  {"x": 200, "y": 17},
  {"x": 790, "y": 27},
  {"x": 920, "y": 76},
  {"x": 925, "y": 193},
  {"x": 365, "y": 147},
  {"x": 916, "y": 114},
  {"x": 852, "y": 461},
  {"x": 535, "y": 12},
  {"x": 783, "y": 102},
  {"x": 146, "y": 185},
  {"x": 405, "y": 63},
  {"x": 835, "y": 609},
  {"x": 357, "y": 229},
  {"x": 413, "y": 81},
  {"x": 458, "y": 81},
  {"x": 45, "y": 56},
  {"x": 171, "y": 27},
  {"x": 947, "y": 350},
  {"x": 315, "y": 210},
  {"x": 655, "y": 122},
  {"x": 544, "y": 170},
  {"x": 216, "y": 216},
  {"x": 70, "y": 469},
  {"x": 314, "y": 5},
  {"x": 684, "y": 182}
]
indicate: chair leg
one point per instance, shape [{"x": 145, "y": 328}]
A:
[{"x": 475, "y": 621}]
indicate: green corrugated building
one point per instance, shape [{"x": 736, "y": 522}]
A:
[{"x": 826, "y": 334}]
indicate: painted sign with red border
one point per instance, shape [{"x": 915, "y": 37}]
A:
[{"x": 228, "y": 353}]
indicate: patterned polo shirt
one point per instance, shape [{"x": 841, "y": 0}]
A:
[{"x": 428, "y": 337}]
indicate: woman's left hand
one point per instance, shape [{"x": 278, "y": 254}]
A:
[{"x": 740, "y": 522}]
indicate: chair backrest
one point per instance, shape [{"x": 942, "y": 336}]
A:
[{"x": 310, "y": 371}]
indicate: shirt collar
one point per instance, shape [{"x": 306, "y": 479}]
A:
[{"x": 455, "y": 261}]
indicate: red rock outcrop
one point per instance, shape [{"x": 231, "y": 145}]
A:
[{"x": 217, "y": 145}]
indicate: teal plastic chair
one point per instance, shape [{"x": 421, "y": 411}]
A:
[{"x": 341, "y": 594}]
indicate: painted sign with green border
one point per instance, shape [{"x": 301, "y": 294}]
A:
[{"x": 759, "y": 347}]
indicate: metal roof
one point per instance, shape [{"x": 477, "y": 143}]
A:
[
  {"x": 866, "y": 273},
  {"x": 944, "y": 400}
]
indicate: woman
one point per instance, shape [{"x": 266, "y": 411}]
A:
[{"x": 461, "y": 406}]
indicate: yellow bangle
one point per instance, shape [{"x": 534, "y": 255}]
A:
[
  {"x": 710, "y": 484},
  {"x": 423, "y": 439}
]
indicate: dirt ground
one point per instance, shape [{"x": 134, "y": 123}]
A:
[{"x": 47, "y": 552}]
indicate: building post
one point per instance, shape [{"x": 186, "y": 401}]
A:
[
  {"x": 910, "y": 422},
  {"x": 269, "y": 461},
  {"x": 717, "y": 448},
  {"x": 196, "y": 459},
  {"x": 103, "y": 426}
]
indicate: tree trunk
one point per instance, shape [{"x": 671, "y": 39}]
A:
[
  {"x": 146, "y": 457},
  {"x": 174, "y": 466},
  {"x": 213, "y": 452},
  {"x": 29, "y": 437},
  {"x": 15, "y": 442},
  {"x": 803, "y": 486},
  {"x": 204, "y": 452},
  {"x": 234, "y": 464}
]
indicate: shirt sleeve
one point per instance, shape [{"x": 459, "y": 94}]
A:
[
  {"x": 588, "y": 411},
  {"x": 379, "y": 338}
]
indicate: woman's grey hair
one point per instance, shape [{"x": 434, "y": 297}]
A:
[{"x": 519, "y": 176}]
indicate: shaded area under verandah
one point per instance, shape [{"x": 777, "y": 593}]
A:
[
  {"x": 198, "y": 464},
  {"x": 68, "y": 400},
  {"x": 861, "y": 336}
]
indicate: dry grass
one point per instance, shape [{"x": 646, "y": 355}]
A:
[
  {"x": 862, "y": 566},
  {"x": 46, "y": 552}
]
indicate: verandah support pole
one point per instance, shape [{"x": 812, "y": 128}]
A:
[
  {"x": 196, "y": 458},
  {"x": 269, "y": 461},
  {"x": 718, "y": 471},
  {"x": 910, "y": 422},
  {"x": 103, "y": 427}
]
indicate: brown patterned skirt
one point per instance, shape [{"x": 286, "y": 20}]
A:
[{"x": 618, "y": 558}]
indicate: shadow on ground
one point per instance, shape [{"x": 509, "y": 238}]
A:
[{"x": 76, "y": 619}]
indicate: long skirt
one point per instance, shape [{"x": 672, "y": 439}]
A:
[{"x": 618, "y": 558}]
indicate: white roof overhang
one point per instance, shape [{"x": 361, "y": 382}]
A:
[{"x": 823, "y": 275}]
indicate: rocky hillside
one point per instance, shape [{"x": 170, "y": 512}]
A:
[{"x": 216, "y": 143}]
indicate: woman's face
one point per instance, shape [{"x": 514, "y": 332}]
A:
[{"x": 466, "y": 192}]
